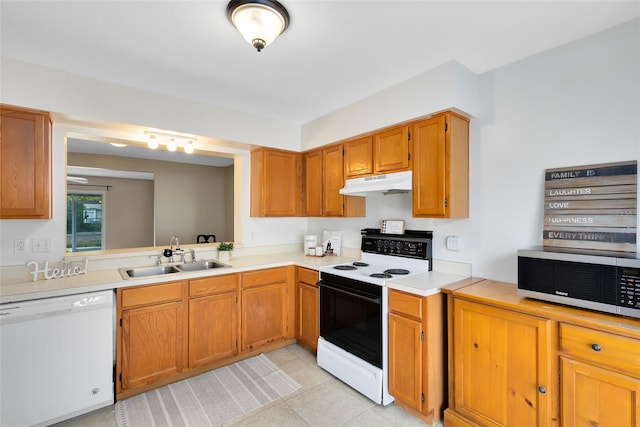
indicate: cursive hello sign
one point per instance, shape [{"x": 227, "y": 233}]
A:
[{"x": 59, "y": 269}]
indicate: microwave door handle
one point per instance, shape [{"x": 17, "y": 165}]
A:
[{"x": 374, "y": 300}]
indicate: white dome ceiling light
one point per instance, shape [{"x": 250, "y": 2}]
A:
[{"x": 259, "y": 21}]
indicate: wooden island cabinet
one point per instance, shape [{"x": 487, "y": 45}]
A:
[{"x": 515, "y": 361}]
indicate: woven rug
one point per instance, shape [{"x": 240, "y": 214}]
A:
[{"x": 209, "y": 399}]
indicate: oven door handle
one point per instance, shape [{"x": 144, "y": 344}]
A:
[{"x": 375, "y": 300}]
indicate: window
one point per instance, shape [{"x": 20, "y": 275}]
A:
[{"x": 85, "y": 223}]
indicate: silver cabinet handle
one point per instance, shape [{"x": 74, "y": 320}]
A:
[
  {"x": 542, "y": 390},
  {"x": 596, "y": 347}
]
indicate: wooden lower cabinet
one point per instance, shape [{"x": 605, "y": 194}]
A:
[
  {"x": 213, "y": 319},
  {"x": 174, "y": 330},
  {"x": 503, "y": 364},
  {"x": 267, "y": 306},
  {"x": 515, "y": 361},
  {"x": 600, "y": 378},
  {"x": 307, "y": 308},
  {"x": 416, "y": 353},
  {"x": 152, "y": 334},
  {"x": 592, "y": 396}
]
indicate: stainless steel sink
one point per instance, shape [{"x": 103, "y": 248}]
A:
[
  {"x": 128, "y": 273},
  {"x": 149, "y": 271},
  {"x": 201, "y": 265}
]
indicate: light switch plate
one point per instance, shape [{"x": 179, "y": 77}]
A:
[{"x": 41, "y": 245}]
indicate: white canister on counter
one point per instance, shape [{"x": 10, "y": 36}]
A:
[
  {"x": 312, "y": 251},
  {"x": 310, "y": 241},
  {"x": 319, "y": 251}
]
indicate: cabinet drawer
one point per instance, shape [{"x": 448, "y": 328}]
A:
[
  {"x": 308, "y": 276},
  {"x": 404, "y": 303},
  {"x": 601, "y": 347},
  {"x": 153, "y": 294},
  {"x": 212, "y": 285},
  {"x": 264, "y": 277}
]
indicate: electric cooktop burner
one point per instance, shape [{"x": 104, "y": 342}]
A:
[
  {"x": 361, "y": 264},
  {"x": 397, "y": 271},
  {"x": 381, "y": 275},
  {"x": 345, "y": 267}
]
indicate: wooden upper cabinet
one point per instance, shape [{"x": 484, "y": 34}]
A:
[
  {"x": 312, "y": 170},
  {"x": 358, "y": 157},
  {"x": 391, "y": 150},
  {"x": 25, "y": 164},
  {"x": 323, "y": 171},
  {"x": 441, "y": 167},
  {"x": 333, "y": 180},
  {"x": 276, "y": 183}
]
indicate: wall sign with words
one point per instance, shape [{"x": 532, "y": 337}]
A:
[{"x": 592, "y": 207}]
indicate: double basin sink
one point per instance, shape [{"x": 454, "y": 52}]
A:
[{"x": 161, "y": 270}]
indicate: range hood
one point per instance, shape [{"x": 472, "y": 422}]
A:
[{"x": 397, "y": 182}]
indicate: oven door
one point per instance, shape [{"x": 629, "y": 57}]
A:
[{"x": 351, "y": 316}]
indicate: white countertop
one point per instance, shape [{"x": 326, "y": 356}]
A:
[{"x": 423, "y": 284}]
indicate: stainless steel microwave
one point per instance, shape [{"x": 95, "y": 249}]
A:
[{"x": 603, "y": 281}]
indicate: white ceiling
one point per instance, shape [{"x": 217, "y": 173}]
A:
[{"x": 332, "y": 54}]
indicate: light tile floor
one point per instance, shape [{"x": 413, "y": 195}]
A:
[{"x": 322, "y": 401}]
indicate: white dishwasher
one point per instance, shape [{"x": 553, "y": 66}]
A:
[{"x": 56, "y": 358}]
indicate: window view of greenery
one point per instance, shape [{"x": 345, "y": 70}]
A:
[{"x": 84, "y": 222}]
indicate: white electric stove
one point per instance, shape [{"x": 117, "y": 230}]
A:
[{"x": 354, "y": 304}]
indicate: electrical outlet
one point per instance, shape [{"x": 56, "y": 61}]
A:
[
  {"x": 19, "y": 246},
  {"x": 41, "y": 245},
  {"x": 454, "y": 243}
]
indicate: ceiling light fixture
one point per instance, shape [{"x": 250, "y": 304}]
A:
[
  {"x": 171, "y": 141},
  {"x": 259, "y": 21}
]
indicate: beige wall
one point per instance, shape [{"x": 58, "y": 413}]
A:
[{"x": 188, "y": 199}]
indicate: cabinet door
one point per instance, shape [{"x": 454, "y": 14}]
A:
[
  {"x": 441, "y": 167},
  {"x": 597, "y": 397},
  {"x": 358, "y": 157},
  {"x": 391, "y": 150},
  {"x": 212, "y": 328},
  {"x": 276, "y": 183},
  {"x": 405, "y": 360},
  {"x": 333, "y": 181},
  {"x": 307, "y": 330},
  {"x": 502, "y": 366},
  {"x": 313, "y": 184},
  {"x": 264, "y": 315},
  {"x": 429, "y": 167},
  {"x": 152, "y": 343},
  {"x": 25, "y": 164}
]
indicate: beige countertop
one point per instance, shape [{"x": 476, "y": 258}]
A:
[
  {"x": 423, "y": 284},
  {"x": 111, "y": 279}
]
